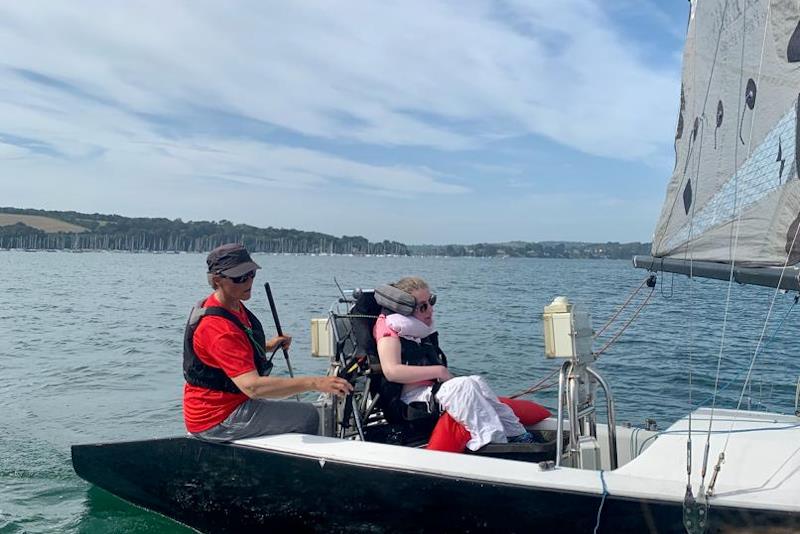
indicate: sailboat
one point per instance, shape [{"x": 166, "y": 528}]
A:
[{"x": 732, "y": 212}]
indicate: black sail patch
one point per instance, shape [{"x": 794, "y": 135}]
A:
[
  {"x": 797, "y": 135},
  {"x": 793, "y": 49},
  {"x": 792, "y": 247},
  {"x": 687, "y": 196},
  {"x": 750, "y": 93},
  {"x": 749, "y": 101}
]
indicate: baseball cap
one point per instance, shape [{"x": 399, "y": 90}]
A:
[{"x": 231, "y": 259}]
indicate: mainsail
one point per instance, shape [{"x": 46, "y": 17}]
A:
[{"x": 734, "y": 195}]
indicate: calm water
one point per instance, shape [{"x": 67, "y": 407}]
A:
[{"x": 90, "y": 350}]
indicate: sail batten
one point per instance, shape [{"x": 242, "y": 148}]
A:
[{"x": 734, "y": 195}]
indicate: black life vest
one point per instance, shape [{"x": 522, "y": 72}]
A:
[
  {"x": 427, "y": 352},
  {"x": 198, "y": 373}
]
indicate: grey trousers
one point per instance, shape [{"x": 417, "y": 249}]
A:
[{"x": 262, "y": 417}]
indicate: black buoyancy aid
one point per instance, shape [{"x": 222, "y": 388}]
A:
[
  {"x": 198, "y": 373},
  {"x": 427, "y": 352}
]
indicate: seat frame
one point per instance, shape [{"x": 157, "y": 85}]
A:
[
  {"x": 360, "y": 415},
  {"x": 355, "y": 358}
]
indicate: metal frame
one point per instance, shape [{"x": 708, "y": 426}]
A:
[{"x": 582, "y": 420}]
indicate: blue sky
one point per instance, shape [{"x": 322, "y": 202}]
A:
[{"x": 417, "y": 121}]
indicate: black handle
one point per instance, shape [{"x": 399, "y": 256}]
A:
[
  {"x": 277, "y": 325},
  {"x": 273, "y": 309}
]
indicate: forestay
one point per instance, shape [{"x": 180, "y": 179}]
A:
[{"x": 734, "y": 195}]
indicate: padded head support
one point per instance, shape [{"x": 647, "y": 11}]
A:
[{"x": 395, "y": 299}]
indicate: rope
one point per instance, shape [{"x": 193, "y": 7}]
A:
[
  {"x": 624, "y": 305},
  {"x": 537, "y": 386},
  {"x": 742, "y": 431},
  {"x": 627, "y": 324},
  {"x": 602, "y": 500},
  {"x": 541, "y": 384}
]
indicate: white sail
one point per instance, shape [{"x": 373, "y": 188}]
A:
[{"x": 735, "y": 194}]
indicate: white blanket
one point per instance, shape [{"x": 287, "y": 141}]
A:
[{"x": 468, "y": 399}]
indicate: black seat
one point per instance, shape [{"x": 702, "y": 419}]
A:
[{"x": 374, "y": 411}]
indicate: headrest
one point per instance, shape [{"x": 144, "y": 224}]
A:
[{"x": 395, "y": 299}]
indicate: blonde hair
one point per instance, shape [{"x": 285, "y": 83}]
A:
[{"x": 410, "y": 283}]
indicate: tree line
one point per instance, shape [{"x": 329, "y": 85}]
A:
[
  {"x": 115, "y": 232},
  {"x": 546, "y": 249}
]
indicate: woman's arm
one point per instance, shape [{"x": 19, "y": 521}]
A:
[{"x": 396, "y": 371}]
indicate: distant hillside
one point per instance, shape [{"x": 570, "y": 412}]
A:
[
  {"x": 545, "y": 249},
  {"x": 42, "y": 229},
  {"x": 45, "y": 224}
]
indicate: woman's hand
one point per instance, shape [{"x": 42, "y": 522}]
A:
[{"x": 276, "y": 342}]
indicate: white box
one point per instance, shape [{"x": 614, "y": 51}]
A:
[{"x": 321, "y": 338}]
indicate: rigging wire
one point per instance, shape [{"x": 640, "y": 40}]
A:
[
  {"x": 537, "y": 386},
  {"x": 735, "y": 238},
  {"x": 736, "y": 378},
  {"x": 624, "y": 305},
  {"x": 650, "y": 282},
  {"x": 627, "y": 324},
  {"x": 761, "y": 336}
]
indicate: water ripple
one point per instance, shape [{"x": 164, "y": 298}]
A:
[{"x": 93, "y": 356}]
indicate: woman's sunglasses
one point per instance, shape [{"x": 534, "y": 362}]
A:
[
  {"x": 424, "y": 306},
  {"x": 240, "y": 279}
]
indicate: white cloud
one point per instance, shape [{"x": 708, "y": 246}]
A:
[
  {"x": 391, "y": 67},
  {"x": 337, "y": 79}
]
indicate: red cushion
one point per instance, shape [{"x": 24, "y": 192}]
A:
[
  {"x": 448, "y": 435},
  {"x": 529, "y": 412}
]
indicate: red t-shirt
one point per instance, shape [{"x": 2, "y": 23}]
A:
[{"x": 218, "y": 343}]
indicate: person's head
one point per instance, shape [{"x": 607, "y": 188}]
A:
[
  {"x": 231, "y": 270},
  {"x": 418, "y": 288}
]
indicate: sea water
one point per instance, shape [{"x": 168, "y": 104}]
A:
[{"x": 90, "y": 350}]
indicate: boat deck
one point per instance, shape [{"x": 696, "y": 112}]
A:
[
  {"x": 762, "y": 459},
  {"x": 762, "y": 462}
]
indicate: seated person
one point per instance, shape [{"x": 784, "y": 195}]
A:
[
  {"x": 228, "y": 393},
  {"x": 409, "y": 355}
]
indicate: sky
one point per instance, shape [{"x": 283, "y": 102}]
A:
[{"x": 418, "y": 121}]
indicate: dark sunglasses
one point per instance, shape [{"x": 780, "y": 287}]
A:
[
  {"x": 424, "y": 306},
  {"x": 240, "y": 279}
]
